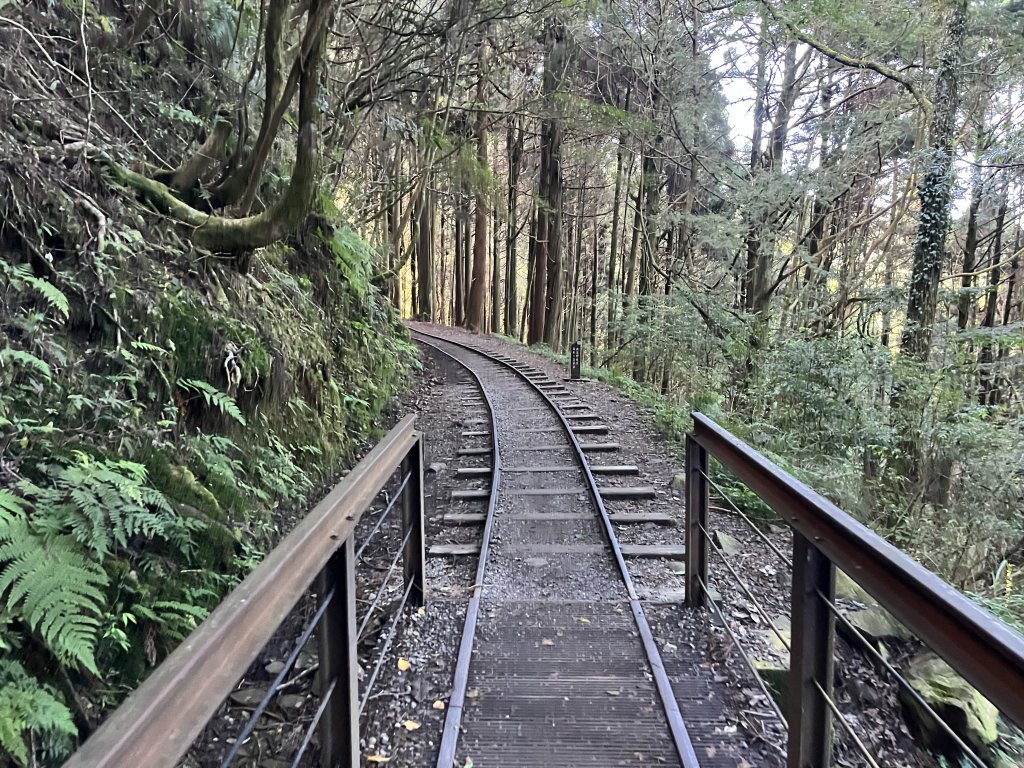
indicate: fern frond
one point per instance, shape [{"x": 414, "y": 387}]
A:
[
  {"x": 50, "y": 293},
  {"x": 54, "y": 588},
  {"x": 9, "y": 355},
  {"x": 145, "y": 346},
  {"x": 27, "y": 705},
  {"x": 214, "y": 398},
  {"x": 11, "y": 506}
]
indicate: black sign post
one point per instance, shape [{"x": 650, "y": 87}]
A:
[{"x": 575, "y": 360}]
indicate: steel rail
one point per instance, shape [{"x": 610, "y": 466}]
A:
[
  {"x": 680, "y": 736},
  {"x": 157, "y": 723},
  {"x": 988, "y": 653},
  {"x": 460, "y": 682}
]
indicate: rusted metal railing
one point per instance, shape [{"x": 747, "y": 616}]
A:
[
  {"x": 980, "y": 647},
  {"x": 157, "y": 724}
]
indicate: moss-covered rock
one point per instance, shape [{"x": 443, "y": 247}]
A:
[
  {"x": 969, "y": 714},
  {"x": 849, "y": 589},
  {"x": 877, "y": 624}
]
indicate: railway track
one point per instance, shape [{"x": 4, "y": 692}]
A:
[{"x": 558, "y": 660}]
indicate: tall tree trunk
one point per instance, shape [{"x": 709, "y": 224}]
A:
[
  {"x": 423, "y": 234},
  {"x": 494, "y": 321},
  {"x": 964, "y": 301},
  {"x": 935, "y": 194},
  {"x": 549, "y": 226},
  {"x": 989, "y": 393},
  {"x": 459, "y": 283},
  {"x": 478, "y": 283},
  {"x": 514, "y": 147},
  {"x": 593, "y": 296}
]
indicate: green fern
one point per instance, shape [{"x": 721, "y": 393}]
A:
[
  {"x": 50, "y": 293},
  {"x": 9, "y": 355},
  {"x": 103, "y": 504},
  {"x": 214, "y": 398},
  {"x": 27, "y": 706},
  {"x": 54, "y": 588},
  {"x": 11, "y": 506}
]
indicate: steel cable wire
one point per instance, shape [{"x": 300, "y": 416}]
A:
[
  {"x": 902, "y": 681},
  {"x": 272, "y": 690},
  {"x": 311, "y": 729},
  {"x": 838, "y": 715},
  {"x": 383, "y": 516},
  {"x": 743, "y": 654},
  {"x": 383, "y": 586},
  {"x": 746, "y": 589},
  {"x": 387, "y": 646},
  {"x": 753, "y": 526}
]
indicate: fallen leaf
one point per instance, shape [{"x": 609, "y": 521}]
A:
[
  {"x": 472, "y": 693},
  {"x": 378, "y": 759},
  {"x": 614, "y": 693},
  {"x": 403, "y": 664},
  {"x": 411, "y": 725},
  {"x": 547, "y": 641},
  {"x": 422, "y": 612},
  {"x": 583, "y": 620},
  {"x": 468, "y": 763},
  {"x": 438, "y": 704}
]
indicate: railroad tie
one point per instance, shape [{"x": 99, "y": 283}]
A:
[
  {"x": 471, "y": 495},
  {"x": 473, "y": 451},
  {"x": 474, "y": 472},
  {"x": 600, "y": 447},
  {"x": 628, "y": 492}
]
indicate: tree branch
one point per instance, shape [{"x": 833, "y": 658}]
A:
[{"x": 849, "y": 61}]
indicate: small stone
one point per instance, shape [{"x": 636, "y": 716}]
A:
[
  {"x": 536, "y": 562},
  {"x": 291, "y": 701},
  {"x": 729, "y": 544},
  {"x": 437, "y": 467},
  {"x": 679, "y": 482},
  {"x": 248, "y": 697},
  {"x": 274, "y": 668}
]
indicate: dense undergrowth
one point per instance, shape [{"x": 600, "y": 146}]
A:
[
  {"x": 164, "y": 412},
  {"x": 821, "y": 407}
]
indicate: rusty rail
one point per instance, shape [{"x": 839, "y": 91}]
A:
[
  {"x": 984, "y": 650},
  {"x": 157, "y": 723}
]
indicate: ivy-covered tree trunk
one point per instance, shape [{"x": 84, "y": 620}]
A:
[{"x": 935, "y": 193}]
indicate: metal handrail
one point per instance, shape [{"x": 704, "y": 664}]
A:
[
  {"x": 157, "y": 723},
  {"x": 980, "y": 647}
]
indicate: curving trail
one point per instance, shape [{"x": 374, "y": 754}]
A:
[{"x": 558, "y": 661}]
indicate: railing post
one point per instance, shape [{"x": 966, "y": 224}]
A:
[
  {"x": 339, "y": 660},
  {"x": 412, "y": 520},
  {"x": 811, "y": 657},
  {"x": 696, "y": 523}
]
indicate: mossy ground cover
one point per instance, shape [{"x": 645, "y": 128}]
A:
[{"x": 165, "y": 412}]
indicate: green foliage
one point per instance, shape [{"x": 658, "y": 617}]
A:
[
  {"x": 214, "y": 398},
  {"x": 20, "y": 277},
  {"x": 52, "y": 585},
  {"x": 28, "y": 708},
  {"x": 354, "y": 257},
  {"x": 154, "y": 459},
  {"x": 103, "y": 504}
]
